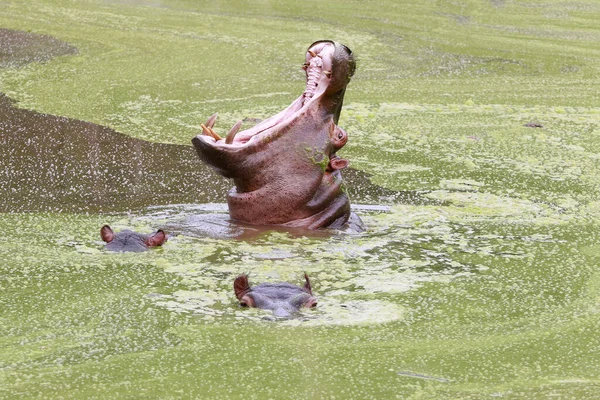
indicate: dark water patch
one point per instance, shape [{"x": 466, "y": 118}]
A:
[
  {"x": 360, "y": 189},
  {"x": 18, "y": 48},
  {"x": 51, "y": 163}
]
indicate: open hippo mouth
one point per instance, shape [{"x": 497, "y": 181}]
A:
[{"x": 285, "y": 168}]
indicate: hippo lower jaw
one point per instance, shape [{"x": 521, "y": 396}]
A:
[{"x": 285, "y": 169}]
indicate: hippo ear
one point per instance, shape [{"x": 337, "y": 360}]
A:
[
  {"x": 157, "y": 239},
  {"x": 337, "y": 163},
  {"x": 107, "y": 234},
  {"x": 241, "y": 286},
  {"x": 307, "y": 288}
]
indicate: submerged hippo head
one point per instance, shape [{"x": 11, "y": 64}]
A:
[
  {"x": 127, "y": 240},
  {"x": 283, "y": 299},
  {"x": 285, "y": 169}
]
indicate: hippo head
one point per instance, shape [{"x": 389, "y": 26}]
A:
[
  {"x": 285, "y": 169},
  {"x": 127, "y": 240},
  {"x": 283, "y": 299}
]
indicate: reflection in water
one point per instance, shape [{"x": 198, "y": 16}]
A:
[{"x": 212, "y": 220}]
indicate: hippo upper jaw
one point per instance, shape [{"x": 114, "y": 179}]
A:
[{"x": 285, "y": 168}]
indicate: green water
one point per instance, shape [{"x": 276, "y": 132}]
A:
[{"x": 489, "y": 287}]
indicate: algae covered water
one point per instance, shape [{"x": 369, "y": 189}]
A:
[{"x": 477, "y": 276}]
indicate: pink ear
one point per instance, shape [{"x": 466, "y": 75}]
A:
[
  {"x": 107, "y": 234},
  {"x": 339, "y": 163},
  {"x": 241, "y": 286},
  {"x": 336, "y": 163},
  {"x": 157, "y": 239}
]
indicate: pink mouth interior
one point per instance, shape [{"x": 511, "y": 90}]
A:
[{"x": 318, "y": 76}]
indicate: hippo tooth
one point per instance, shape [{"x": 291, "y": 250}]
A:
[
  {"x": 209, "y": 132},
  {"x": 214, "y": 134},
  {"x": 327, "y": 73},
  {"x": 205, "y": 130},
  {"x": 313, "y": 72},
  {"x": 211, "y": 121},
  {"x": 312, "y": 53},
  {"x": 232, "y": 132}
]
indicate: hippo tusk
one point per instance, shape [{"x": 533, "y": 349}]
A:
[
  {"x": 209, "y": 132},
  {"x": 312, "y": 53},
  {"x": 234, "y": 129},
  {"x": 327, "y": 73},
  {"x": 211, "y": 121}
]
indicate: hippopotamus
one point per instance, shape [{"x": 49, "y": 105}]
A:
[
  {"x": 283, "y": 299},
  {"x": 285, "y": 168},
  {"x": 127, "y": 240}
]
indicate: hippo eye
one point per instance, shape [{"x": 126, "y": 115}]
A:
[
  {"x": 340, "y": 136},
  {"x": 243, "y": 304}
]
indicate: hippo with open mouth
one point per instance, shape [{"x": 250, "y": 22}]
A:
[{"x": 285, "y": 169}]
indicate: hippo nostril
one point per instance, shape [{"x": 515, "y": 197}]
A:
[
  {"x": 311, "y": 303},
  {"x": 339, "y": 137},
  {"x": 281, "y": 312}
]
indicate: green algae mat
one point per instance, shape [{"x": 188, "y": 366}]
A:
[{"x": 477, "y": 276}]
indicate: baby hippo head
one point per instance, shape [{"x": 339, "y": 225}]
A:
[
  {"x": 283, "y": 299},
  {"x": 127, "y": 240}
]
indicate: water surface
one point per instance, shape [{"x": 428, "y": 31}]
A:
[{"x": 477, "y": 277}]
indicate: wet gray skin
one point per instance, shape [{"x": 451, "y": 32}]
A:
[
  {"x": 285, "y": 169},
  {"x": 284, "y": 299},
  {"x": 129, "y": 241}
]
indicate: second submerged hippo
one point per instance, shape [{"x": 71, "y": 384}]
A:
[
  {"x": 127, "y": 240},
  {"x": 285, "y": 169},
  {"x": 283, "y": 299}
]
